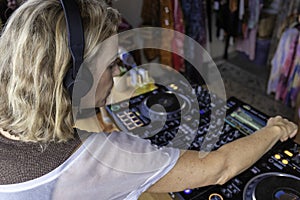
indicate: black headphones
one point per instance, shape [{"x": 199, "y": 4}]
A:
[{"x": 76, "y": 75}]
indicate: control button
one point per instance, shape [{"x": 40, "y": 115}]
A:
[
  {"x": 135, "y": 119},
  {"x": 127, "y": 122},
  {"x": 115, "y": 107},
  {"x": 278, "y": 166},
  {"x": 130, "y": 126},
  {"x": 188, "y": 117},
  {"x": 223, "y": 190},
  {"x": 296, "y": 159},
  {"x": 139, "y": 123},
  {"x": 247, "y": 107},
  {"x": 121, "y": 115},
  {"x": 284, "y": 161},
  {"x": 277, "y": 156},
  {"x": 270, "y": 160},
  {"x": 288, "y": 153},
  {"x": 237, "y": 181},
  {"x": 228, "y": 195},
  {"x": 124, "y": 104},
  {"x": 215, "y": 196},
  {"x": 254, "y": 170}
]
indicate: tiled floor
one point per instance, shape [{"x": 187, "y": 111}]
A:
[{"x": 251, "y": 89}]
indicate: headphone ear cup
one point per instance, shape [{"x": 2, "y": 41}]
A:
[{"x": 83, "y": 82}]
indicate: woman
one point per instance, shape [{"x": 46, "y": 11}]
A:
[{"x": 43, "y": 157}]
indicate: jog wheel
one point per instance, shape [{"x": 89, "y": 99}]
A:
[
  {"x": 165, "y": 106},
  {"x": 273, "y": 186}
]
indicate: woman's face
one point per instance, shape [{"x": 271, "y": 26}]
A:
[
  {"x": 106, "y": 83},
  {"x": 103, "y": 69}
]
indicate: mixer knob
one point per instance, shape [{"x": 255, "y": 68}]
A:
[
  {"x": 200, "y": 132},
  {"x": 223, "y": 141},
  {"x": 236, "y": 134},
  {"x": 208, "y": 136},
  {"x": 227, "y": 127},
  {"x": 217, "y": 145},
  {"x": 296, "y": 159},
  {"x": 228, "y": 194},
  {"x": 296, "y": 148}
]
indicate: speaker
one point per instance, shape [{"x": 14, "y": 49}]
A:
[{"x": 76, "y": 75}]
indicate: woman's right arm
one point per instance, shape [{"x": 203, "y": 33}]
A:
[{"x": 191, "y": 170}]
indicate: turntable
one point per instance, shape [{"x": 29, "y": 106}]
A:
[
  {"x": 172, "y": 116},
  {"x": 165, "y": 105},
  {"x": 273, "y": 186}
]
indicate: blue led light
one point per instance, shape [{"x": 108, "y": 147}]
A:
[{"x": 187, "y": 191}]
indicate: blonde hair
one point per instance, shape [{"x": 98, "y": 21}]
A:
[{"x": 34, "y": 60}]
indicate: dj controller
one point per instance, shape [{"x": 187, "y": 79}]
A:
[{"x": 191, "y": 118}]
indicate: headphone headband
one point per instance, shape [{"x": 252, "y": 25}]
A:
[
  {"x": 75, "y": 33},
  {"x": 84, "y": 81}
]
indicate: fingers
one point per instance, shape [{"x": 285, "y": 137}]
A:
[{"x": 287, "y": 128}]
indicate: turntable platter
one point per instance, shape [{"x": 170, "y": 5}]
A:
[
  {"x": 165, "y": 104},
  {"x": 273, "y": 186}
]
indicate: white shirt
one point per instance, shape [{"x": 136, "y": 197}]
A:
[{"x": 106, "y": 166}]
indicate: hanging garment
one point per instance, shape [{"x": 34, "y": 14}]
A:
[
  {"x": 194, "y": 15},
  {"x": 150, "y": 17},
  {"x": 178, "y": 39},
  {"x": 247, "y": 43},
  {"x": 254, "y": 12},
  {"x": 290, "y": 91},
  {"x": 281, "y": 59},
  {"x": 166, "y": 21},
  {"x": 160, "y": 13}
]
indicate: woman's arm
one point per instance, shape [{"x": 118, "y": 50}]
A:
[{"x": 219, "y": 166}]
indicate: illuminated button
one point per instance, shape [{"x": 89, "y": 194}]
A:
[
  {"x": 215, "y": 196},
  {"x": 246, "y": 107},
  {"x": 277, "y": 156},
  {"x": 284, "y": 161},
  {"x": 188, "y": 191},
  {"x": 288, "y": 153}
]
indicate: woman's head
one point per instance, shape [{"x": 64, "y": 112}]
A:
[{"x": 34, "y": 59}]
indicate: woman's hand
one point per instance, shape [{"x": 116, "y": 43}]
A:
[{"x": 286, "y": 128}]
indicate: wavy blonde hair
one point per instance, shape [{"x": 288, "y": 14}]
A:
[{"x": 34, "y": 60}]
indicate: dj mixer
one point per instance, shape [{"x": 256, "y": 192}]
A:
[{"x": 193, "y": 118}]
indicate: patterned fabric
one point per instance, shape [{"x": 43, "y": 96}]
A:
[
  {"x": 178, "y": 39},
  {"x": 284, "y": 78},
  {"x": 24, "y": 161},
  {"x": 184, "y": 16},
  {"x": 166, "y": 21},
  {"x": 194, "y": 16},
  {"x": 280, "y": 58}
]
